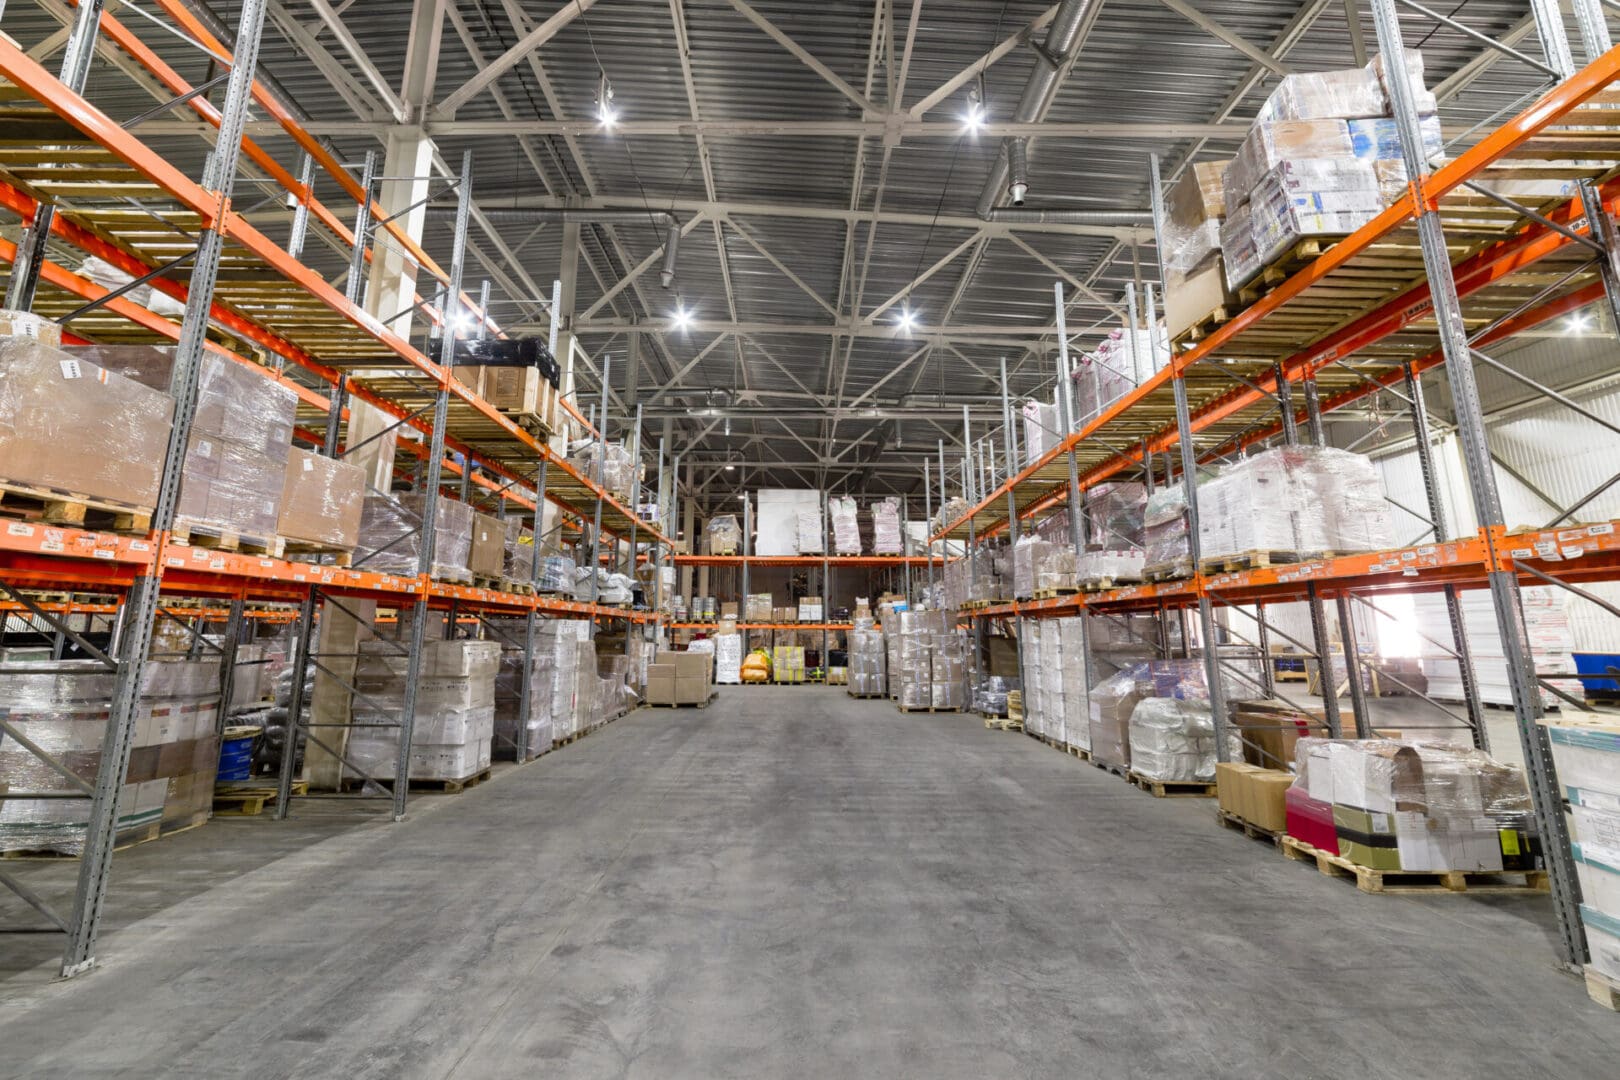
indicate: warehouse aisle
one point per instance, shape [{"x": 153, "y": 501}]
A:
[{"x": 793, "y": 883}]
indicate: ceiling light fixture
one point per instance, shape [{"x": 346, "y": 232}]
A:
[
  {"x": 1579, "y": 323},
  {"x": 683, "y": 317},
  {"x": 605, "y": 112},
  {"x": 974, "y": 117},
  {"x": 908, "y": 319}
]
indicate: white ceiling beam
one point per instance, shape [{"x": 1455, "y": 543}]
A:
[
  {"x": 1065, "y": 275},
  {"x": 992, "y": 333},
  {"x": 526, "y": 46},
  {"x": 361, "y": 59},
  {"x": 802, "y": 54},
  {"x": 982, "y": 64},
  {"x": 940, "y": 264},
  {"x": 789, "y": 274},
  {"x": 635, "y": 272},
  {"x": 1215, "y": 29}
]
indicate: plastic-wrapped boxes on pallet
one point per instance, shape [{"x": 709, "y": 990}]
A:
[
  {"x": 60, "y": 417},
  {"x": 486, "y": 554},
  {"x": 454, "y": 720},
  {"x": 241, "y": 435},
  {"x": 1027, "y": 556},
  {"x": 868, "y": 657},
  {"x": 62, "y": 707},
  {"x": 1164, "y": 533},
  {"x": 846, "y": 525},
  {"x": 886, "y": 535},
  {"x": 1300, "y": 499},
  {"x": 321, "y": 500},
  {"x": 728, "y": 654},
  {"x": 391, "y": 536},
  {"x": 723, "y": 535}
]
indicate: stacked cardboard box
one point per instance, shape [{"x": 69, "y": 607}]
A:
[
  {"x": 60, "y": 415},
  {"x": 681, "y": 678},
  {"x": 62, "y": 707},
  {"x": 454, "y": 719},
  {"x": 1253, "y": 794},
  {"x": 1302, "y": 499},
  {"x": 523, "y": 391},
  {"x": 1391, "y": 805},
  {"x": 1548, "y": 631},
  {"x": 552, "y": 684},
  {"x": 321, "y": 500},
  {"x": 868, "y": 654},
  {"x": 1586, "y": 752},
  {"x": 391, "y": 536},
  {"x": 787, "y": 664},
  {"x": 241, "y": 436}
]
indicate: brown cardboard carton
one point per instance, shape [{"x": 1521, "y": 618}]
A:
[
  {"x": 728, "y": 609},
  {"x": 70, "y": 425},
  {"x": 1231, "y": 786},
  {"x": 321, "y": 499},
  {"x": 1197, "y": 197},
  {"x": 1189, "y": 298},
  {"x": 488, "y": 557},
  {"x": 1266, "y": 790},
  {"x": 1270, "y": 728},
  {"x": 691, "y": 690},
  {"x": 688, "y": 665},
  {"x": 25, "y": 324}
]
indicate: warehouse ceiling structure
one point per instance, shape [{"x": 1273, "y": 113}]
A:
[{"x": 836, "y": 179}]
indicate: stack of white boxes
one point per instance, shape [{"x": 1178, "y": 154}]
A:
[
  {"x": 454, "y": 716},
  {"x": 1030, "y": 634},
  {"x": 1547, "y": 626},
  {"x": 1587, "y": 755},
  {"x": 728, "y": 656},
  {"x": 1301, "y": 499},
  {"x": 949, "y": 668},
  {"x": 867, "y": 653}
]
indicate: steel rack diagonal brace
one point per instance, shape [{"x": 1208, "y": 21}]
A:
[{"x": 139, "y": 610}]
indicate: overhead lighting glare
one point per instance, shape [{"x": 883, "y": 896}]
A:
[
  {"x": 908, "y": 319},
  {"x": 462, "y": 323},
  {"x": 605, "y": 112},
  {"x": 730, "y": 467},
  {"x": 1579, "y": 323},
  {"x": 974, "y": 117},
  {"x": 682, "y": 318}
]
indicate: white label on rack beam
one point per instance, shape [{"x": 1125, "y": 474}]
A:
[
  {"x": 1522, "y": 553},
  {"x": 139, "y": 545},
  {"x": 267, "y": 563},
  {"x": 1572, "y": 551},
  {"x": 70, "y": 369},
  {"x": 175, "y": 561},
  {"x": 104, "y": 553},
  {"x": 51, "y": 545},
  {"x": 1571, "y": 534},
  {"x": 1547, "y": 549},
  {"x": 17, "y": 528},
  {"x": 1605, "y": 529},
  {"x": 217, "y": 564}
]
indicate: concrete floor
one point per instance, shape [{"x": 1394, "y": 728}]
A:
[{"x": 789, "y": 883}]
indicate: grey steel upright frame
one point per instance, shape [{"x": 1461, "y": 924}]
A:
[
  {"x": 435, "y": 465},
  {"x": 133, "y": 634},
  {"x": 1189, "y": 483},
  {"x": 1470, "y": 421}
]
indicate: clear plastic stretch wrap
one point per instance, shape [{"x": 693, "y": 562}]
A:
[
  {"x": 1113, "y": 701},
  {"x": 724, "y": 535},
  {"x": 812, "y": 535},
  {"x": 1345, "y": 94},
  {"x": 455, "y": 710},
  {"x": 241, "y": 432},
  {"x": 1413, "y": 805},
  {"x": 1269, "y": 144},
  {"x": 391, "y": 536},
  {"x": 63, "y": 707},
  {"x": 1193, "y": 209},
  {"x": 958, "y": 581},
  {"x": 321, "y": 500},
  {"x": 1029, "y": 670},
  {"x": 1098, "y": 383},
  {"x": 1027, "y": 555},
  {"x": 618, "y": 473},
  {"x": 1173, "y": 739},
  {"x": 1106, "y": 567},
  {"x": 1042, "y": 429},
  {"x": 846, "y": 525},
  {"x": 954, "y": 510},
  {"x": 1302, "y": 499},
  {"x": 1057, "y": 569},
  {"x": 728, "y": 655},
  {"x": 887, "y": 538},
  {"x": 587, "y": 688},
  {"x": 556, "y": 574},
  {"x": 868, "y": 659},
  {"x": 67, "y": 425},
  {"x": 1340, "y": 197},
  {"x": 990, "y": 696},
  {"x": 1164, "y": 532},
  {"x": 1115, "y": 513},
  {"x": 542, "y": 663},
  {"x": 517, "y": 561},
  {"x": 1136, "y": 355}
]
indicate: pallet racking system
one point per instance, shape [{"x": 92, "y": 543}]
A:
[
  {"x": 1440, "y": 275},
  {"x": 82, "y": 181}
]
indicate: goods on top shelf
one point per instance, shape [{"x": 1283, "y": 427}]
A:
[
  {"x": 846, "y": 525},
  {"x": 1547, "y": 630},
  {"x": 723, "y": 535},
  {"x": 391, "y": 536},
  {"x": 1120, "y": 363},
  {"x": 1042, "y": 429},
  {"x": 887, "y": 538},
  {"x": 1164, "y": 533},
  {"x": 321, "y": 500},
  {"x": 618, "y": 474}
]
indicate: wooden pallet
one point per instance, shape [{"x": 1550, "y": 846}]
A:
[
  {"x": 248, "y": 798},
  {"x": 126, "y": 839},
  {"x": 219, "y": 538},
  {"x": 1120, "y": 771},
  {"x": 1602, "y": 989},
  {"x": 308, "y": 552},
  {"x": 1206, "y": 325},
  {"x": 501, "y": 584},
  {"x": 450, "y": 787},
  {"x": 993, "y": 723},
  {"x": 53, "y": 506},
  {"x": 1369, "y": 880},
  {"x": 533, "y": 423},
  {"x": 1251, "y": 560},
  {"x": 1167, "y": 571},
  {"x": 926, "y": 709},
  {"x": 864, "y": 697},
  {"x": 1103, "y": 584},
  {"x": 1284, "y": 267},
  {"x": 1172, "y": 789},
  {"x": 680, "y": 704},
  {"x": 1053, "y": 594},
  {"x": 1252, "y": 831}
]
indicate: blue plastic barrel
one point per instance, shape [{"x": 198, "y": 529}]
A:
[{"x": 236, "y": 753}]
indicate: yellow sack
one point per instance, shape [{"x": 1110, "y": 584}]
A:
[{"x": 757, "y": 667}]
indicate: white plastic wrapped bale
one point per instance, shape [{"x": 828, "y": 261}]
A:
[
  {"x": 1098, "y": 383},
  {"x": 1050, "y": 675},
  {"x": 1027, "y": 556},
  {"x": 846, "y": 524},
  {"x": 724, "y": 535},
  {"x": 1299, "y": 499},
  {"x": 728, "y": 655},
  {"x": 949, "y": 672},
  {"x": 610, "y": 465},
  {"x": 886, "y": 535},
  {"x": 391, "y": 536},
  {"x": 1104, "y": 568},
  {"x": 1041, "y": 429},
  {"x": 454, "y": 719},
  {"x": 1069, "y": 711},
  {"x": 1173, "y": 740},
  {"x": 1546, "y": 624},
  {"x": 1164, "y": 533},
  {"x": 1057, "y": 570},
  {"x": 1135, "y": 354},
  {"x": 812, "y": 534},
  {"x": 62, "y": 707},
  {"x": 868, "y": 660},
  {"x": 587, "y": 688},
  {"x": 1029, "y": 664}
]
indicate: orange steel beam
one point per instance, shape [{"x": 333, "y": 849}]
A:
[{"x": 39, "y": 83}]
